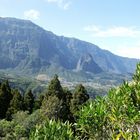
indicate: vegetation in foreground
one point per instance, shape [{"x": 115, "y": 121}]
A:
[{"x": 61, "y": 115}]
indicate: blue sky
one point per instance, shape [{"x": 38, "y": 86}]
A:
[{"x": 111, "y": 24}]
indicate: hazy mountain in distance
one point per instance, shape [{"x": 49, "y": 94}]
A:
[{"x": 28, "y": 48}]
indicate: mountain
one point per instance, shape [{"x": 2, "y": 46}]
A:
[
  {"x": 87, "y": 64},
  {"x": 27, "y": 48}
]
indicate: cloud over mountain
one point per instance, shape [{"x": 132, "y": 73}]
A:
[
  {"x": 32, "y": 14},
  {"x": 115, "y": 31}
]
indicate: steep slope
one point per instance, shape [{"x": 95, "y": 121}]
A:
[
  {"x": 27, "y": 47},
  {"x": 105, "y": 59},
  {"x": 24, "y": 45},
  {"x": 86, "y": 63}
]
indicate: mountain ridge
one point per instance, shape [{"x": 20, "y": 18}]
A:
[{"x": 29, "y": 48}]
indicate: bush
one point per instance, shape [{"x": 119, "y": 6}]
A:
[
  {"x": 19, "y": 128},
  {"x": 52, "y": 130},
  {"x": 11, "y": 131},
  {"x": 116, "y": 116}
]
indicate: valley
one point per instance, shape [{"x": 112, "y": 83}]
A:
[{"x": 97, "y": 85}]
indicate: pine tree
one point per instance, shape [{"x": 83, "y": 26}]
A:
[
  {"x": 55, "y": 103},
  {"x": 68, "y": 96},
  {"x": 16, "y": 104},
  {"x": 5, "y": 97},
  {"x": 29, "y": 101},
  {"x": 55, "y": 89},
  {"x": 80, "y": 96},
  {"x": 38, "y": 102}
]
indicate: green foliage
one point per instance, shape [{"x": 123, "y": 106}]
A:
[
  {"x": 32, "y": 120},
  {"x": 20, "y": 126},
  {"x": 16, "y": 104},
  {"x": 67, "y": 96},
  {"x": 5, "y": 97},
  {"x": 20, "y": 117},
  {"x": 29, "y": 101},
  {"x": 27, "y": 121},
  {"x": 6, "y": 127},
  {"x": 116, "y": 116},
  {"x": 52, "y": 130},
  {"x": 80, "y": 96},
  {"x": 11, "y": 131},
  {"x": 54, "y": 108},
  {"x": 91, "y": 122},
  {"x": 136, "y": 76},
  {"x": 38, "y": 102},
  {"x": 54, "y": 88},
  {"x": 56, "y": 104}
]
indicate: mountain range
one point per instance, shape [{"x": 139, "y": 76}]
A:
[{"x": 27, "y": 48}]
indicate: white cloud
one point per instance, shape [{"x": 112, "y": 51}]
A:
[
  {"x": 32, "y": 14},
  {"x": 116, "y": 31},
  {"x": 127, "y": 51},
  {"x": 64, "y": 4}
]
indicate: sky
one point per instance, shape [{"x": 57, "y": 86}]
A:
[{"x": 113, "y": 25}]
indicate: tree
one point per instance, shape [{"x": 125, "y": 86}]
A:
[
  {"x": 68, "y": 96},
  {"x": 5, "y": 97},
  {"x": 38, "y": 102},
  {"x": 55, "y": 88},
  {"x": 54, "y": 108},
  {"x": 16, "y": 104},
  {"x": 29, "y": 101},
  {"x": 80, "y": 96},
  {"x": 55, "y": 104}
]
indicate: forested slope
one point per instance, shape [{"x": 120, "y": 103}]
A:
[{"x": 59, "y": 114}]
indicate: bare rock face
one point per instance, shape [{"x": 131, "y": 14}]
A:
[{"x": 86, "y": 63}]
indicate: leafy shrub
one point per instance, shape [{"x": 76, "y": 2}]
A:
[
  {"x": 116, "y": 116},
  {"x": 11, "y": 131},
  {"x": 19, "y": 128},
  {"x": 52, "y": 130},
  {"x": 32, "y": 120}
]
